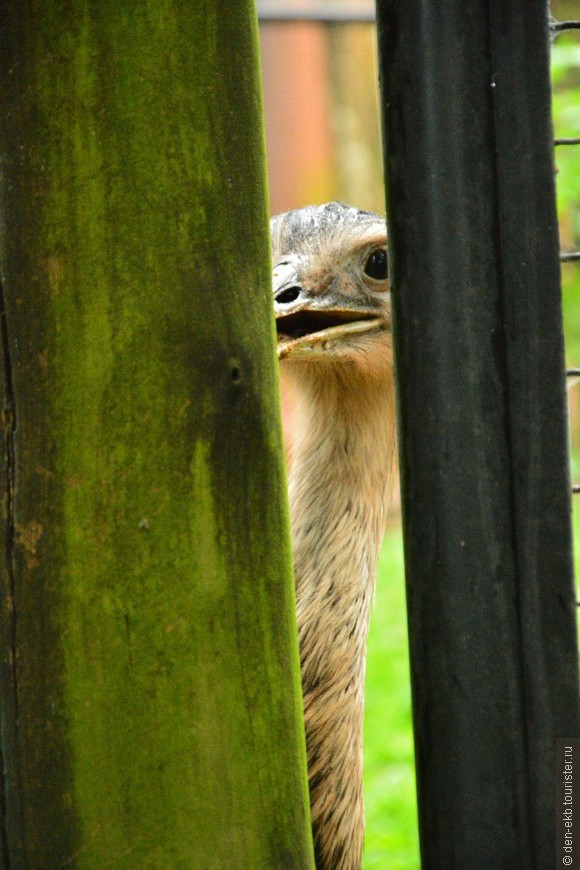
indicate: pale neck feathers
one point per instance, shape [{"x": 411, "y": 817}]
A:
[{"x": 340, "y": 479}]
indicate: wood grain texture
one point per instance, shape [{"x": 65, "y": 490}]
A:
[{"x": 150, "y": 680}]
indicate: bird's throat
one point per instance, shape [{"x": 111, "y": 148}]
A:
[{"x": 339, "y": 488}]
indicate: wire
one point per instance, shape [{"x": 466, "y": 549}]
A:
[{"x": 559, "y": 26}]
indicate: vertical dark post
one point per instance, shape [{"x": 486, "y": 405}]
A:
[{"x": 483, "y": 437}]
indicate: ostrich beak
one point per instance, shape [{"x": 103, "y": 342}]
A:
[{"x": 308, "y": 332}]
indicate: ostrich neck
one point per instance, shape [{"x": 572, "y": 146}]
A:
[{"x": 339, "y": 485}]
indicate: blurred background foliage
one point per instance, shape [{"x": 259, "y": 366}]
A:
[{"x": 323, "y": 143}]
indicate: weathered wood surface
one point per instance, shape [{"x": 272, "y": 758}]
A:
[{"x": 151, "y": 710}]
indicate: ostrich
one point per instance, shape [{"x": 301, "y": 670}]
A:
[{"x": 331, "y": 299}]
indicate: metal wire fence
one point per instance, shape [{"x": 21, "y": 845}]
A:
[{"x": 557, "y": 28}]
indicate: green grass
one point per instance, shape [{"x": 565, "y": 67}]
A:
[{"x": 391, "y": 808}]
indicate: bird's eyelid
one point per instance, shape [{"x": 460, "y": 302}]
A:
[{"x": 375, "y": 239}]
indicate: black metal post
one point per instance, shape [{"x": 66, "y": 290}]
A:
[{"x": 483, "y": 433}]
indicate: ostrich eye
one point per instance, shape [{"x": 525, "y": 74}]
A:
[{"x": 377, "y": 265}]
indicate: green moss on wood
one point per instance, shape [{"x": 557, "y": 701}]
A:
[{"x": 158, "y": 687}]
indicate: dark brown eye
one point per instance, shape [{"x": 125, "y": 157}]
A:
[{"x": 377, "y": 266}]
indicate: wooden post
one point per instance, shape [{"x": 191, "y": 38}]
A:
[
  {"x": 483, "y": 439},
  {"x": 150, "y": 690}
]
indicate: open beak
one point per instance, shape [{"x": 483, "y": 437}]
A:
[{"x": 306, "y": 332}]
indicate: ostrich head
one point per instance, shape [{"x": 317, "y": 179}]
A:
[
  {"x": 331, "y": 299},
  {"x": 331, "y": 289}
]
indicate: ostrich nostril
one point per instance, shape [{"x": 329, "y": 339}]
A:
[{"x": 289, "y": 294}]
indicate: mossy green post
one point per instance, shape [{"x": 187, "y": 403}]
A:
[{"x": 151, "y": 711}]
